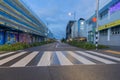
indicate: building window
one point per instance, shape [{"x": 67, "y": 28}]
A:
[
  {"x": 115, "y": 30},
  {"x": 104, "y": 14},
  {"x": 117, "y": 1},
  {"x": 115, "y": 7},
  {"x": 90, "y": 22},
  {"x": 103, "y": 32}
]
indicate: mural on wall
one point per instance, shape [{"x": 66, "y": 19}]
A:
[
  {"x": 25, "y": 38},
  {"x": 11, "y": 37},
  {"x": 2, "y": 37},
  {"x": 17, "y": 37}
]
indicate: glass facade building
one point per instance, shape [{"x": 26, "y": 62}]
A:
[
  {"x": 19, "y": 24},
  {"x": 69, "y": 32},
  {"x": 76, "y": 29}
]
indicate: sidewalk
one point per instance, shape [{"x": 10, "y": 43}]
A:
[{"x": 113, "y": 49}]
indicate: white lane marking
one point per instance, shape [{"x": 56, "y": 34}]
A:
[
  {"x": 80, "y": 58},
  {"x": 5, "y": 54},
  {"x": 62, "y": 59},
  {"x": 45, "y": 59},
  {"x": 97, "y": 58},
  {"x": 24, "y": 61},
  {"x": 104, "y": 55},
  {"x": 3, "y": 61}
]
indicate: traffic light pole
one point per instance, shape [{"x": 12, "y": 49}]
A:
[{"x": 97, "y": 16}]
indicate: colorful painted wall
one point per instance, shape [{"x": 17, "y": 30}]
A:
[{"x": 2, "y": 37}]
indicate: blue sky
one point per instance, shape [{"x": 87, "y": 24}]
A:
[{"x": 55, "y": 12}]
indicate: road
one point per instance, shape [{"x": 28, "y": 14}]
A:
[{"x": 59, "y": 61}]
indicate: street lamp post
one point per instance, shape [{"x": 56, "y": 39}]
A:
[{"x": 97, "y": 16}]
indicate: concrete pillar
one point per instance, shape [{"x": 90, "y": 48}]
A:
[{"x": 108, "y": 37}]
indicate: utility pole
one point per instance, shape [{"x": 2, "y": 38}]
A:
[{"x": 97, "y": 16}]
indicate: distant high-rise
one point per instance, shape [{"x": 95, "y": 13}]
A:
[{"x": 69, "y": 29}]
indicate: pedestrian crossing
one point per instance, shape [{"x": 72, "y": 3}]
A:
[
  {"x": 59, "y": 58},
  {"x": 6, "y": 54},
  {"x": 80, "y": 58},
  {"x": 10, "y": 58},
  {"x": 45, "y": 60},
  {"x": 25, "y": 60},
  {"x": 97, "y": 58},
  {"x": 62, "y": 58}
]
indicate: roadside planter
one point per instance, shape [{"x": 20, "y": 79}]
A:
[{"x": 21, "y": 46}]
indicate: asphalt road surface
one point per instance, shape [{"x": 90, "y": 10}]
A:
[{"x": 59, "y": 61}]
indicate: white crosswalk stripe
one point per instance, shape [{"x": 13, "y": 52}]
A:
[
  {"x": 25, "y": 60},
  {"x": 97, "y": 58},
  {"x": 107, "y": 56},
  {"x": 63, "y": 60},
  {"x": 3, "y": 61},
  {"x": 45, "y": 60},
  {"x": 80, "y": 58},
  {"x": 5, "y": 54}
]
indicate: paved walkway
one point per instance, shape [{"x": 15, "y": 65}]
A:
[{"x": 113, "y": 50}]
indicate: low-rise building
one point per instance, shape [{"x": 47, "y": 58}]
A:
[{"x": 109, "y": 25}]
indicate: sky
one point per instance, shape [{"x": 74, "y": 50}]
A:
[{"x": 54, "y": 13}]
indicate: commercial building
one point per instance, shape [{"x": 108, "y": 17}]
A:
[
  {"x": 69, "y": 32},
  {"x": 19, "y": 24},
  {"x": 76, "y": 29},
  {"x": 91, "y": 26},
  {"x": 82, "y": 30},
  {"x": 109, "y": 25}
]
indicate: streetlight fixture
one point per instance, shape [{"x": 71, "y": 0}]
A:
[
  {"x": 74, "y": 14},
  {"x": 70, "y": 14}
]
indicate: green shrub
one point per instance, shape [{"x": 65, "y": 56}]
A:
[
  {"x": 89, "y": 46},
  {"x": 102, "y": 46},
  {"x": 85, "y": 45},
  {"x": 20, "y": 46}
]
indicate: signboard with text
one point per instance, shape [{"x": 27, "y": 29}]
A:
[{"x": 112, "y": 24}]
